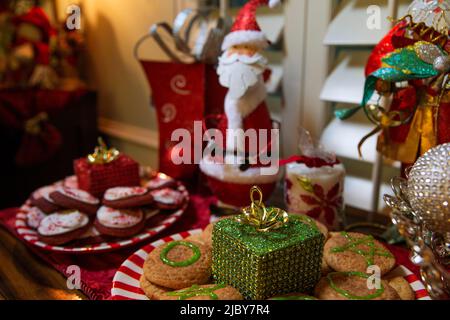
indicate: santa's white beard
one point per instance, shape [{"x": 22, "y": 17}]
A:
[
  {"x": 243, "y": 76},
  {"x": 240, "y": 72}
]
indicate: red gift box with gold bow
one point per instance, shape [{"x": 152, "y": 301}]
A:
[{"x": 104, "y": 169}]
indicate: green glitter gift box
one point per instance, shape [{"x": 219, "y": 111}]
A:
[{"x": 263, "y": 254}]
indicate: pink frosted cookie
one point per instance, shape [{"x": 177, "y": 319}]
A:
[
  {"x": 34, "y": 217},
  {"x": 41, "y": 199},
  {"x": 167, "y": 199},
  {"x": 71, "y": 182},
  {"x": 119, "y": 223},
  {"x": 127, "y": 197},
  {"x": 161, "y": 181},
  {"x": 71, "y": 198},
  {"x": 62, "y": 227}
]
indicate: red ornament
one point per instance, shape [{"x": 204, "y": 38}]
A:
[{"x": 310, "y": 162}]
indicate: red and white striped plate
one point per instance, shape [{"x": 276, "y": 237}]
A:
[
  {"x": 30, "y": 235},
  {"x": 126, "y": 280}
]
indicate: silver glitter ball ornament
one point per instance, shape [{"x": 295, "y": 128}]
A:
[
  {"x": 434, "y": 13},
  {"x": 442, "y": 64},
  {"x": 429, "y": 188}
]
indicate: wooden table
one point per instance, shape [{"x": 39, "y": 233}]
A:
[{"x": 25, "y": 276}]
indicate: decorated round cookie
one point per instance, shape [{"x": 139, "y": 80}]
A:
[
  {"x": 293, "y": 296},
  {"x": 196, "y": 238},
  {"x": 195, "y": 292},
  {"x": 71, "y": 198},
  {"x": 127, "y": 197},
  {"x": 71, "y": 182},
  {"x": 403, "y": 288},
  {"x": 41, "y": 199},
  {"x": 78, "y": 194},
  {"x": 204, "y": 292},
  {"x": 119, "y": 222},
  {"x": 151, "y": 290},
  {"x": 62, "y": 227},
  {"x": 167, "y": 199},
  {"x": 206, "y": 235},
  {"x": 352, "y": 286},
  {"x": 34, "y": 217},
  {"x": 356, "y": 252},
  {"x": 161, "y": 181},
  {"x": 326, "y": 269},
  {"x": 179, "y": 264}
]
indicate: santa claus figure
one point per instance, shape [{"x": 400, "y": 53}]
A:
[
  {"x": 32, "y": 47},
  {"x": 245, "y": 126},
  {"x": 5, "y": 40},
  {"x": 241, "y": 70}
]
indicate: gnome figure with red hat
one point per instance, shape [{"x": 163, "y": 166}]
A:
[{"x": 241, "y": 69}]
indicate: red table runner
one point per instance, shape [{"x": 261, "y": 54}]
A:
[{"x": 97, "y": 270}]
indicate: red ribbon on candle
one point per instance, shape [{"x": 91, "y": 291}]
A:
[{"x": 310, "y": 162}]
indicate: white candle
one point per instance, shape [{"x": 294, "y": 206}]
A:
[{"x": 316, "y": 192}]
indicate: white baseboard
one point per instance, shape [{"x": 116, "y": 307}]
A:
[{"x": 123, "y": 131}]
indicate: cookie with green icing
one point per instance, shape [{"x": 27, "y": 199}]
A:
[
  {"x": 402, "y": 287},
  {"x": 204, "y": 292},
  {"x": 151, "y": 290},
  {"x": 206, "y": 235},
  {"x": 195, "y": 292},
  {"x": 179, "y": 264},
  {"x": 356, "y": 252},
  {"x": 352, "y": 285},
  {"x": 293, "y": 296}
]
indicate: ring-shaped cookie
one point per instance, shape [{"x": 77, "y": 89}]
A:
[{"x": 195, "y": 254}]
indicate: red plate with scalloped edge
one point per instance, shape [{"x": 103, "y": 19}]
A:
[{"x": 92, "y": 242}]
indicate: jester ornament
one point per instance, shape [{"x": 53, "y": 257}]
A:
[{"x": 410, "y": 69}]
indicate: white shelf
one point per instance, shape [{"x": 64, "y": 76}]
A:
[
  {"x": 345, "y": 84},
  {"x": 349, "y": 27},
  {"x": 274, "y": 83},
  {"x": 272, "y": 25},
  {"x": 343, "y": 137},
  {"x": 271, "y": 21},
  {"x": 358, "y": 193}
]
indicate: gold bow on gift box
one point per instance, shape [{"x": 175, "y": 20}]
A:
[
  {"x": 262, "y": 218},
  {"x": 103, "y": 154}
]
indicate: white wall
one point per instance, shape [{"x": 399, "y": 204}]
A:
[
  {"x": 112, "y": 28},
  {"x": 305, "y": 69}
]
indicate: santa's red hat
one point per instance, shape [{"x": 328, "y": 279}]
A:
[
  {"x": 246, "y": 29},
  {"x": 37, "y": 17}
]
